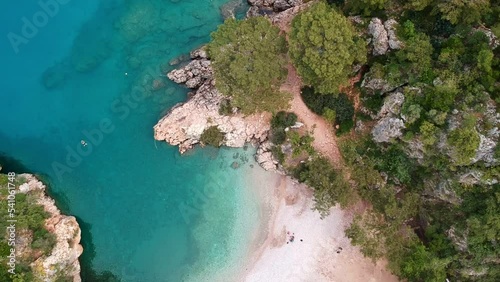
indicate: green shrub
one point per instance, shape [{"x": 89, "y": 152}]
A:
[
  {"x": 212, "y": 136},
  {"x": 465, "y": 142},
  {"x": 278, "y": 135},
  {"x": 283, "y": 119},
  {"x": 278, "y": 154},
  {"x": 225, "y": 108},
  {"x": 345, "y": 127},
  {"x": 319, "y": 103},
  {"x": 396, "y": 163}
]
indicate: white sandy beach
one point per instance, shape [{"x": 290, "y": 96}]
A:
[{"x": 315, "y": 257}]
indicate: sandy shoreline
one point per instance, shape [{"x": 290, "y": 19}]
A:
[{"x": 315, "y": 257}]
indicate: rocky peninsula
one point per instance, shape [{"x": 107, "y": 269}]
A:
[{"x": 186, "y": 122}]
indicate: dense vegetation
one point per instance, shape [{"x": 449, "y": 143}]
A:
[
  {"x": 432, "y": 188},
  {"x": 434, "y": 194},
  {"x": 30, "y": 220},
  {"x": 249, "y": 59}
]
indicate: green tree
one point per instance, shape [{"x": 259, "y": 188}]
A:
[
  {"x": 412, "y": 113},
  {"x": 249, "y": 59},
  {"x": 323, "y": 47},
  {"x": 415, "y": 57},
  {"x": 365, "y": 7},
  {"x": 328, "y": 184},
  {"x": 419, "y": 264},
  {"x": 463, "y": 11},
  {"x": 484, "y": 60},
  {"x": 455, "y": 11}
]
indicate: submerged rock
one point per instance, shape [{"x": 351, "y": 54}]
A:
[{"x": 231, "y": 8}]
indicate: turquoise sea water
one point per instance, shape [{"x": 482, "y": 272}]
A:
[{"x": 87, "y": 70}]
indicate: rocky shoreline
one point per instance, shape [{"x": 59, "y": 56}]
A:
[
  {"x": 185, "y": 123},
  {"x": 63, "y": 259}
]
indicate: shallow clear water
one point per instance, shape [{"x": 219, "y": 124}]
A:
[{"x": 88, "y": 72}]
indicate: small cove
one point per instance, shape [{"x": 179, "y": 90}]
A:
[{"x": 147, "y": 213}]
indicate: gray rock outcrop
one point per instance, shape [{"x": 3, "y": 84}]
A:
[
  {"x": 378, "y": 85},
  {"x": 486, "y": 150},
  {"x": 380, "y": 38},
  {"x": 473, "y": 177},
  {"x": 383, "y": 36},
  {"x": 390, "y": 27},
  {"x": 392, "y": 105},
  {"x": 270, "y": 7},
  {"x": 193, "y": 74}
]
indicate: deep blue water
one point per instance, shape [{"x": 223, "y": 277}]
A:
[{"x": 86, "y": 70}]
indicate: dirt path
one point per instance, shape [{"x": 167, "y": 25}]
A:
[{"x": 325, "y": 140}]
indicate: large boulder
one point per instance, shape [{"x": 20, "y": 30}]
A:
[
  {"x": 392, "y": 105},
  {"x": 380, "y": 39},
  {"x": 264, "y": 157},
  {"x": 387, "y": 129},
  {"x": 281, "y": 5}
]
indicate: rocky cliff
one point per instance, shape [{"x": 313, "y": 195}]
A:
[{"x": 62, "y": 261}]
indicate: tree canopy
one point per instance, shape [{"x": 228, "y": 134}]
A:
[
  {"x": 323, "y": 47},
  {"x": 249, "y": 59}
]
